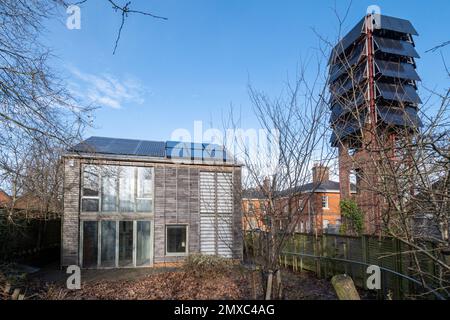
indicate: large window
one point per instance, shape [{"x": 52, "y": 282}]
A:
[
  {"x": 143, "y": 243},
  {"x": 112, "y": 243},
  {"x": 144, "y": 189},
  {"x": 176, "y": 239},
  {"x": 127, "y": 189},
  {"x": 109, "y": 189},
  {"x": 117, "y": 189},
  {"x": 90, "y": 244},
  {"x": 90, "y": 189},
  {"x": 126, "y": 243},
  {"x": 108, "y": 244}
]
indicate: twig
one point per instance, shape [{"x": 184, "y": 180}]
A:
[
  {"x": 434, "y": 49},
  {"x": 125, "y": 11}
]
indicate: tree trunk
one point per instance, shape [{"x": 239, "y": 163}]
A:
[
  {"x": 269, "y": 285},
  {"x": 279, "y": 285}
]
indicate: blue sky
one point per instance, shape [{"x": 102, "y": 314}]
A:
[{"x": 167, "y": 74}]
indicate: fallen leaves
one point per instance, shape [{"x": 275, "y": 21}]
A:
[
  {"x": 177, "y": 285},
  {"x": 234, "y": 282}
]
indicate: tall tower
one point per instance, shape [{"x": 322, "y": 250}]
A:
[{"x": 373, "y": 103}]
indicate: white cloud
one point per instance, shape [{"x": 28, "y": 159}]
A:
[{"x": 107, "y": 90}]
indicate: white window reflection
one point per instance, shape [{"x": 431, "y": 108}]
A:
[
  {"x": 145, "y": 188},
  {"x": 117, "y": 188},
  {"x": 127, "y": 189}
]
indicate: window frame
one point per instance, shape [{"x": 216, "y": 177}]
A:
[
  {"x": 176, "y": 254},
  {"x": 117, "y": 260},
  {"x": 117, "y": 190},
  {"x": 97, "y": 197},
  {"x": 325, "y": 197},
  {"x": 138, "y": 188}
]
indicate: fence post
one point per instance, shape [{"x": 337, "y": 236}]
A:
[
  {"x": 344, "y": 244},
  {"x": 364, "y": 248},
  {"x": 304, "y": 250},
  {"x": 398, "y": 268},
  {"x": 316, "y": 254},
  {"x": 324, "y": 253}
]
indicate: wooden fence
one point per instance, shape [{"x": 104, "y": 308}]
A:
[
  {"x": 328, "y": 255},
  {"x": 29, "y": 238}
]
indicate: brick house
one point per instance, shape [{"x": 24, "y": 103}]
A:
[
  {"x": 315, "y": 204},
  {"x": 132, "y": 203},
  {"x": 5, "y": 199},
  {"x": 253, "y": 208}
]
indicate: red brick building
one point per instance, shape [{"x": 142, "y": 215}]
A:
[
  {"x": 314, "y": 206},
  {"x": 5, "y": 199}
]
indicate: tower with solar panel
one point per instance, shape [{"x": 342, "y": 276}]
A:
[{"x": 374, "y": 106}]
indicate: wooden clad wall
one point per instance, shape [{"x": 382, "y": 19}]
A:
[{"x": 176, "y": 201}]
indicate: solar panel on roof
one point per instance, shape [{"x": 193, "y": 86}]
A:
[
  {"x": 356, "y": 99},
  {"x": 193, "y": 151},
  {"x": 351, "y": 82},
  {"x": 397, "y": 70},
  {"x": 343, "y": 64},
  {"x": 214, "y": 152},
  {"x": 347, "y": 40},
  {"x": 151, "y": 148},
  {"x": 343, "y": 130},
  {"x": 338, "y": 110},
  {"x": 402, "y": 117},
  {"x": 177, "y": 149},
  {"x": 120, "y": 147},
  {"x": 398, "y": 92},
  {"x": 397, "y": 47},
  {"x": 392, "y": 52},
  {"x": 397, "y": 24}
]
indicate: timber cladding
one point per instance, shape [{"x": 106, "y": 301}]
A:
[{"x": 176, "y": 197}]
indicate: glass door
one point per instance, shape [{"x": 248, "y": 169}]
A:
[
  {"x": 115, "y": 244},
  {"x": 125, "y": 243},
  {"x": 143, "y": 243}
]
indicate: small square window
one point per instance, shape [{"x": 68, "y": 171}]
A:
[{"x": 176, "y": 239}]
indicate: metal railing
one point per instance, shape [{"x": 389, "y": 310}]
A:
[{"x": 327, "y": 255}]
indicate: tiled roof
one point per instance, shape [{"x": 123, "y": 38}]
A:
[{"x": 324, "y": 186}]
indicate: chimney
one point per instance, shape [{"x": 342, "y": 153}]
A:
[
  {"x": 320, "y": 173},
  {"x": 266, "y": 184}
]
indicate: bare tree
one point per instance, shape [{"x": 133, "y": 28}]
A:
[
  {"x": 277, "y": 166},
  {"x": 37, "y": 113}
]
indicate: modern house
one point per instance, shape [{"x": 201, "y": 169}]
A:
[
  {"x": 133, "y": 203},
  {"x": 314, "y": 206}
]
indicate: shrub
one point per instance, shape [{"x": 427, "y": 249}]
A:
[
  {"x": 353, "y": 217},
  {"x": 202, "y": 265}
]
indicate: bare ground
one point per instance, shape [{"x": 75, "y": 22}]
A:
[{"x": 237, "y": 282}]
